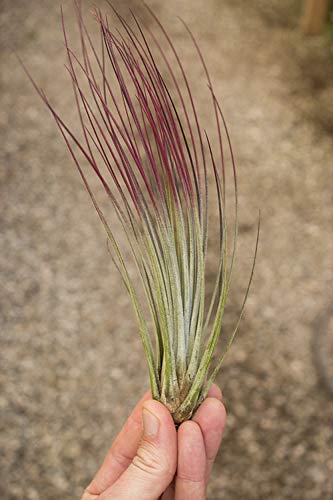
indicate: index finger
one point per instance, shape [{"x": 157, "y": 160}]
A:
[{"x": 211, "y": 417}]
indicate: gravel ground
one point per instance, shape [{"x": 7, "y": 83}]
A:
[{"x": 71, "y": 361}]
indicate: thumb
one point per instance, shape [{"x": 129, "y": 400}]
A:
[{"x": 155, "y": 462}]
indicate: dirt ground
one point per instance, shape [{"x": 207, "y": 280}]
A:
[{"x": 71, "y": 362}]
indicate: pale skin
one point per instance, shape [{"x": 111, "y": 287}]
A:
[{"x": 151, "y": 460}]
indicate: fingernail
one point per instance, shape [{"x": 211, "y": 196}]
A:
[{"x": 151, "y": 423}]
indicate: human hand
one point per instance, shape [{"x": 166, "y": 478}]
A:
[{"x": 149, "y": 459}]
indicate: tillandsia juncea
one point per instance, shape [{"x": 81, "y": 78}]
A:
[{"x": 142, "y": 137}]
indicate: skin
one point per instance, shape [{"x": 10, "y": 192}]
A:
[{"x": 150, "y": 460}]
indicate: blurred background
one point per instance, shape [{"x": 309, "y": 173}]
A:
[{"x": 71, "y": 361}]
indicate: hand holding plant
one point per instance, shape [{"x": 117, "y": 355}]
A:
[{"x": 156, "y": 461}]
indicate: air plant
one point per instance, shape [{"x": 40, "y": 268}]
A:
[{"x": 142, "y": 137}]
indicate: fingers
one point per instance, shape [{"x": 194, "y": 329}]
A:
[
  {"x": 211, "y": 418},
  {"x": 154, "y": 464},
  {"x": 215, "y": 392},
  {"x": 198, "y": 444},
  {"x": 190, "y": 480},
  {"x": 121, "y": 453}
]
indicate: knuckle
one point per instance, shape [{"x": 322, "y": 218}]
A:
[
  {"x": 151, "y": 462},
  {"x": 121, "y": 459},
  {"x": 191, "y": 478}
]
